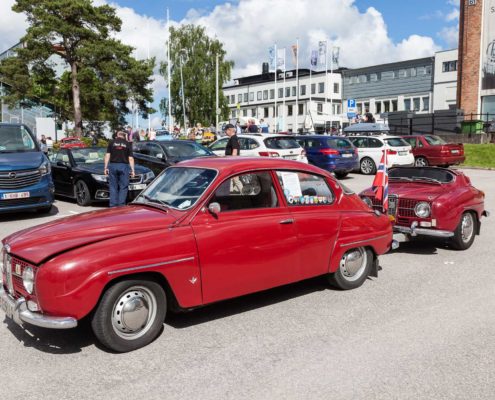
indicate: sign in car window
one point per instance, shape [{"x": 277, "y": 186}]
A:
[{"x": 301, "y": 188}]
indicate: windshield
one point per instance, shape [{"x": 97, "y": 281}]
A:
[
  {"x": 425, "y": 174},
  {"x": 396, "y": 142},
  {"x": 178, "y": 187},
  {"x": 434, "y": 140},
  {"x": 16, "y": 139},
  {"x": 89, "y": 156},
  {"x": 186, "y": 149},
  {"x": 281, "y": 142},
  {"x": 339, "y": 143}
]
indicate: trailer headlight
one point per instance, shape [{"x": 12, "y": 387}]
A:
[
  {"x": 28, "y": 279},
  {"x": 422, "y": 209}
]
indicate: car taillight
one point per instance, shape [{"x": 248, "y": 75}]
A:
[
  {"x": 391, "y": 152},
  {"x": 329, "y": 152},
  {"x": 269, "y": 154}
]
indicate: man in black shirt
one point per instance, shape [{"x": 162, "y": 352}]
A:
[
  {"x": 233, "y": 147},
  {"x": 117, "y": 161}
]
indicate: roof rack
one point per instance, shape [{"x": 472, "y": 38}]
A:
[{"x": 366, "y": 129}]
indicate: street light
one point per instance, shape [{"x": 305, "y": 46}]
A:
[{"x": 183, "y": 55}]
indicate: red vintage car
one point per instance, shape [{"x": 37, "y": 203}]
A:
[
  {"x": 433, "y": 150},
  {"x": 71, "y": 143},
  {"x": 205, "y": 230},
  {"x": 432, "y": 201}
]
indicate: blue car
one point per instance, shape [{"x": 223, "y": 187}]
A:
[
  {"x": 25, "y": 172},
  {"x": 332, "y": 153}
]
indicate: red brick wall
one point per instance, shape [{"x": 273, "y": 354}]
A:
[{"x": 468, "y": 74}]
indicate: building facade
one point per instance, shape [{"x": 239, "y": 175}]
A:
[
  {"x": 304, "y": 102},
  {"x": 445, "y": 80}
]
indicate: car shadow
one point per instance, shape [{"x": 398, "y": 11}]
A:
[
  {"x": 422, "y": 246},
  {"x": 27, "y": 214}
]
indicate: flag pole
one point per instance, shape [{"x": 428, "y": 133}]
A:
[
  {"x": 283, "y": 98},
  {"x": 297, "y": 85},
  {"x": 275, "y": 113},
  {"x": 170, "y": 122}
]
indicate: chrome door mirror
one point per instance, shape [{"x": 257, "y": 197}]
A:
[{"x": 214, "y": 208}]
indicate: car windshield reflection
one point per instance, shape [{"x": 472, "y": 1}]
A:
[
  {"x": 178, "y": 187},
  {"x": 89, "y": 156}
]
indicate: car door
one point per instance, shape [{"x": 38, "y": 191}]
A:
[
  {"x": 219, "y": 146},
  {"x": 250, "y": 245},
  {"x": 311, "y": 203},
  {"x": 157, "y": 158},
  {"x": 375, "y": 149},
  {"x": 141, "y": 154},
  {"x": 62, "y": 172},
  {"x": 249, "y": 147}
]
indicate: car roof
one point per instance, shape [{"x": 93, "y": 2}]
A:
[{"x": 321, "y": 137}]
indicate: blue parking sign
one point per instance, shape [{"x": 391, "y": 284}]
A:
[{"x": 351, "y": 103}]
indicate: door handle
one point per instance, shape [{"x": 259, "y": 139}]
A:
[{"x": 287, "y": 221}]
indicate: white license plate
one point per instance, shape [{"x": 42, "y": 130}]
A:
[
  {"x": 403, "y": 153},
  {"x": 18, "y": 195},
  {"x": 290, "y": 157},
  {"x": 454, "y": 151},
  {"x": 137, "y": 186},
  {"x": 347, "y": 155},
  {"x": 8, "y": 306}
]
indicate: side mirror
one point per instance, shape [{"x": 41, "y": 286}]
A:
[
  {"x": 159, "y": 155},
  {"x": 214, "y": 208}
]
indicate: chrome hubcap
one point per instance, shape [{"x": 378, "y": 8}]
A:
[
  {"x": 80, "y": 192},
  {"x": 366, "y": 166},
  {"x": 353, "y": 264},
  {"x": 134, "y": 313},
  {"x": 467, "y": 227}
]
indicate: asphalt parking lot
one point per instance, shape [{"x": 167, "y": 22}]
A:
[{"x": 424, "y": 329}]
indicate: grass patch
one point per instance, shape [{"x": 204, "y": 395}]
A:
[{"x": 479, "y": 155}]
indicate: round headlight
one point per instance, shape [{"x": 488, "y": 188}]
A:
[
  {"x": 422, "y": 209},
  {"x": 28, "y": 279},
  {"x": 368, "y": 201}
]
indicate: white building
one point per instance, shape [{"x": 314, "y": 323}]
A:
[
  {"x": 312, "y": 101},
  {"x": 445, "y": 80}
]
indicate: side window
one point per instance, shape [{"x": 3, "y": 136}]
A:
[
  {"x": 219, "y": 145},
  {"x": 312, "y": 143},
  {"x": 420, "y": 143},
  {"x": 243, "y": 143},
  {"x": 301, "y": 188},
  {"x": 63, "y": 156},
  {"x": 301, "y": 142},
  {"x": 252, "y": 144},
  {"x": 375, "y": 143},
  {"x": 411, "y": 141},
  {"x": 247, "y": 191},
  {"x": 359, "y": 142},
  {"x": 155, "y": 150}
]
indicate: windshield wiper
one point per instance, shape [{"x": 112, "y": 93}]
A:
[
  {"x": 152, "y": 200},
  {"x": 425, "y": 178}
]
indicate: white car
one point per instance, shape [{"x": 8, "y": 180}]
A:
[
  {"x": 370, "y": 150},
  {"x": 266, "y": 145}
]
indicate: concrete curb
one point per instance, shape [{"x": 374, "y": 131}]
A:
[{"x": 478, "y": 168}]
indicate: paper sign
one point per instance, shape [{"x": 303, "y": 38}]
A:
[{"x": 291, "y": 183}]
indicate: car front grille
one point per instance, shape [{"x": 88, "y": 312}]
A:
[
  {"x": 136, "y": 179},
  {"x": 21, "y": 202},
  {"x": 13, "y": 277},
  {"x": 405, "y": 209},
  {"x": 19, "y": 179}
]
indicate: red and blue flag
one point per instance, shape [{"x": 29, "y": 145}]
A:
[{"x": 380, "y": 183}]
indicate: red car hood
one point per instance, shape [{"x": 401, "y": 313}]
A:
[
  {"x": 38, "y": 243},
  {"x": 413, "y": 191}
]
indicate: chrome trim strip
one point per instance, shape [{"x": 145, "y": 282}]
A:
[
  {"x": 363, "y": 241},
  {"x": 118, "y": 271},
  {"x": 423, "y": 231}
]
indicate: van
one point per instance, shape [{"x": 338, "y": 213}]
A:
[{"x": 25, "y": 172}]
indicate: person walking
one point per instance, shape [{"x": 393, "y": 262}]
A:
[
  {"x": 118, "y": 161},
  {"x": 233, "y": 147}
]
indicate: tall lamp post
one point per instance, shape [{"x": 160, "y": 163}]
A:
[{"x": 182, "y": 55}]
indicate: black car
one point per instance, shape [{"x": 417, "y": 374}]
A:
[
  {"x": 158, "y": 155},
  {"x": 79, "y": 173}
]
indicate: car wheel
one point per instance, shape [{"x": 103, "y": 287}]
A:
[
  {"x": 421, "y": 162},
  {"x": 465, "y": 232},
  {"x": 367, "y": 166},
  {"x": 340, "y": 175},
  {"x": 130, "y": 315},
  {"x": 354, "y": 267},
  {"x": 82, "y": 194}
]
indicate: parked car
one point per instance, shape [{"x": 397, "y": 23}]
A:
[
  {"x": 205, "y": 230},
  {"x": 431, "y": 201},
  {"x": 157, "y": 155},
  {"x": 79, "y": 174},
  {"x": 71, "y": 143},
  {"x": 433, "y": 150},
  {"x": 264, "y": 145},
  {"x": 332, "y": 153},
  {"x": 163, "y": 135},
  {"x": 25, "y": 180},
  {"x": 370, "y": 150}
]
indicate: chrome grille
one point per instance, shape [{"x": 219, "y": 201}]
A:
[
  {"x": 19, "y": 179},
  {"x": 136, "y": 179},
  {"x": 8, "y": 273},
  {"x": 17, "y": 284}
]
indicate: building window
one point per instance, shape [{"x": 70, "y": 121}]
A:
[
  {"x": 300, "y": 110},
  {"x": 251, "y": 96},
  {"x": 265, "y": 112},
  {"x": 289, "y": 110},
  {"x": 373, "y": 77},
  {"x": 394, "y": 105},
  {"x": 245, "y": 97},
  {"x": 449, "y": 66},
  {"x": 336, "y": 108},
  {"x": 272, "y": 94},
  {"x": 426, "y": 104},
  {"x": 319, "y": 108},
  {"x": 280, "y": 93},
  {"x": 287, "y": 92},
  {"x": 416, "y": 103},
  {"x": 234, "y": 113},
  {"x": 336, "y": 88},
  {"x": 265, "y": 94},
  {"x": 378, "y": 107},
  {"x": 313, "y": 88},
  {"x": 294, "y": 92},
  {"x": 421, "y": 71},
  {"x": 407, "y": 104},
  {"x": 363, "y": 79},
  {"x": 386, "y": 106},
  {"x": 239, "y": 97},
  {"x": 253, "y": 112},
  {"x": 386, "y": 75},
  {"x": 321, "y": 87},
  {"x": 428, "y": 70},
  {"x": 303, "y": 90},
  {"x": 367, "y": 107},
  {"x": 413, "y": 72},
  {"x": 258, "y": 95},
  {"x": 244, "y": 112},
  {"x": 395, "y": 74},
  {"x": 232, "y": 99},
  {"x": 360, "y": 108}
]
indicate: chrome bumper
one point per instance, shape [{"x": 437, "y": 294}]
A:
[
  {"x": 413, "y": 230},
  {"x": 17, "y": 310}
]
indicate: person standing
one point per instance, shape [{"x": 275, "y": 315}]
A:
[
  {"x": 94, "y": 138},
  {"x": 238, "y": 128},
  {"x": 233, "y": 147},
  {"x": 43, "y": 145},
  {"x": 252, "y": 127},
  {"x": 118, "y": 161}
]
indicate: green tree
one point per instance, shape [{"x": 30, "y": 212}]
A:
[
  {"x": 101, "y": 76},
  {"x": 192, "y": 48}
]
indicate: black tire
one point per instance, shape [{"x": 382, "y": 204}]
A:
[
  {"x": 341, "y": 175},
  {"x": 82, "y": 193},
  {"x": 421, "y": 162},
  {"x": 367, "y": 166},
  {"x": 465, "y": 232},
  {"x": 131, "y": 296},
  {"x": 352, "y": 276},
  {"x": 44, "y": 210}
]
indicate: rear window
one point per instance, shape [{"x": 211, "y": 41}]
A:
[
  {"x": 339, "y": 143},
  {"x": 434, "y": 140},
  {"x": 281, "y": 142},
  {"x": 396, "y": 142}
]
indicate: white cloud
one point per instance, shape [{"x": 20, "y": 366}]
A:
[
  {"x": 450, "y": 35},
  {"x": 12, "y": 25}
]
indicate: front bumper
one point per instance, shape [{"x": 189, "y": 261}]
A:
[
  {"x": 17, "y": 310},
  {"x": 413, "y": 230}
]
